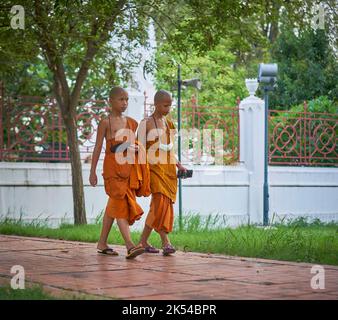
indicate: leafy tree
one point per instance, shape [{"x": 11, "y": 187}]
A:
[
  {"x": 249, "y": 27},
  {"x": 70, "y": 35},
  {"x": 253, "y": 32},
  {"x": 221, "y": 83},
  {"x": 307, "y": 68}
]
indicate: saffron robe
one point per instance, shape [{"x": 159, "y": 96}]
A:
[
  {"x": 124, "y": 180},
  {"x": 163, "y": 183}
]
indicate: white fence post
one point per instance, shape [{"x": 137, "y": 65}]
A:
[{"x": 252, "y": 149}]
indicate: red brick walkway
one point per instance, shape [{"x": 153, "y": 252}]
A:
[{"x": 76, "y": 268}]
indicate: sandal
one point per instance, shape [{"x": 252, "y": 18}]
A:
[
  {"x": 134, "y": 252},
  {"x": 151, "y": 249},
  {"x": 109, "y": 252},
  {"x": 168, "y": 249}
]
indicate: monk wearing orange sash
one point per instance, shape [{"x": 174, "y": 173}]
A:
[
  {"x": 124, "y": 178},
  {"x": 157, "y": 133}
]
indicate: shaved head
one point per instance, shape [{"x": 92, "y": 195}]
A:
[
  {"x": 118, "y": 100},
  {"x": 116, "y": 91},
  {"x": 161, "y": 95}
]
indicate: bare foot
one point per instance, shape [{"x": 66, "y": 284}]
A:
[{"x": 102, "y": 246}]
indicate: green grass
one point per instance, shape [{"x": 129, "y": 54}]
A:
[
  {"x": 33, "y": 293},
  {"x": 299, "y": 240},
  {"x": 36, "y": 292}
]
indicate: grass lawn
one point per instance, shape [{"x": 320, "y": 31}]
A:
[
  {"x": 298, "y": 241},
  {"x": 36, "y": 292},
  {"x": 33, "y": 293}
]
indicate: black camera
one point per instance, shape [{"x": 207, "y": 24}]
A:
[{"x": 184, "y": 174}]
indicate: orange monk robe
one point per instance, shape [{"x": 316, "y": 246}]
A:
[
  {"x": 123, "y": 182},
  {"x": 163, "y": 185}
]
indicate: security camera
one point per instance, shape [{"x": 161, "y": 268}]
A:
[{"x": 267, "y": 73}]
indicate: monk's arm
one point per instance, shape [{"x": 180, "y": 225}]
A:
[
  {"x": 178, "y": 164},
  {"x": 180, "y": 167},
  {"x": 142, "y": 132},
  {"x": 101, "y": 130}
]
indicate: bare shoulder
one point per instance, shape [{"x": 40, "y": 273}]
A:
[
  {"x": 103, "y": 123},
  {"x": 148, "y": 122}
]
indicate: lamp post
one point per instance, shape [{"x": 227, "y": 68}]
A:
[
  {"x": 266, "y": 158},
  {"x": 267, "y": 74},
  {"x": 193, "y": 83},
  {"x": 179, "y": 83}
]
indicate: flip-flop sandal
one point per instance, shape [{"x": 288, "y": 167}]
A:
[
  {"x": 151, "y": 249},
  {"x": 168, "y": 249},
  {"x": 134, "y": 252},
  {"x": 109, "y": 252}
]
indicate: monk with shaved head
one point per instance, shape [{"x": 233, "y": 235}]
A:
[
  {"x": 120, "y": 180},
  {"x": 157, "y": 134}
]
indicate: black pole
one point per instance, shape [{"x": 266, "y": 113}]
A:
[
  {"x": 266, "y": 155},
  {"x": 179, "y": 142}
]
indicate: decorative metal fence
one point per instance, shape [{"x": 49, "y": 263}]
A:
[
  {"x": 303, "y": 138},
  {"x": 31, "y": 129}
]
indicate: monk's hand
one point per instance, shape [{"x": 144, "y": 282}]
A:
[
  {"x": 93, "y": 179},
  {"x": 181, "y": 168}
]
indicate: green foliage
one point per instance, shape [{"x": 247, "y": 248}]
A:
[
  {"x": 32, "y": 293},
  {"x": 238, "y": 36},
  {"x": 198, "y": 26},
  {"x": 31, "y": 78},
  {"x": 322, "y": 104},
  {"x": 221, "y": 82},
  {"x": 307, "y": 68},
  {"x": 68, "y": 30},
  {"x": 37, "y": 292},
  {"x": 189, "y": 32}
]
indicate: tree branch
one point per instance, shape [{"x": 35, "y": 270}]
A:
[
  {"x": 93, "y": 47},
  {"x": 54, "y": 61}
]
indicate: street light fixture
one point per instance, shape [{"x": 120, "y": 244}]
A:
[
  {"x": 267, "y": 75},
  {"x": 196, "y": 83}
]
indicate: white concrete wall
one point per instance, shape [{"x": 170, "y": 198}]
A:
[
  {"x": 43, "y": 190},
  {"x": 304, "y": 191}
]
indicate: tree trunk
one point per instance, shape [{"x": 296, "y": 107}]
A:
[
  {"x": 274, "y": 30},
  {"x": 77, "y": 180},
  {"x": 274, "y": 20},
  {"x": 67, "y": 99}
]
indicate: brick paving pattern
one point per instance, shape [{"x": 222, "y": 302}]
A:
[{"x": 76, "y": 268}]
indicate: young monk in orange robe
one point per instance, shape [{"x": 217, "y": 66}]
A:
[
  {"x": 157, "y": 133},
  {"x": 122, "y": 179}
]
